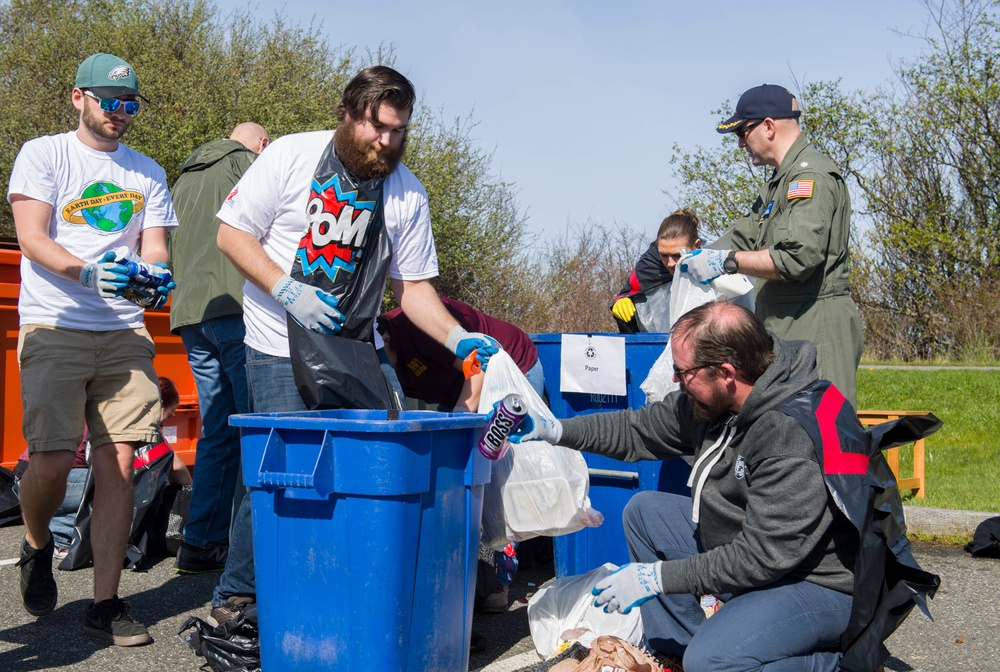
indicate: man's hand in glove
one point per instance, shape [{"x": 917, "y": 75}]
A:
[
  {"x": 463, "y": 342},
  {"x": 703, "y": 265},
  {"x": 628, "y": 586},
  {"x": 106, "y": 277},
  {"x": 536, "y": 428},
  {"x": 313, "y": 308}
]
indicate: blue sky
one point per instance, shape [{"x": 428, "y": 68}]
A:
[{"x": 581, "y": 102}]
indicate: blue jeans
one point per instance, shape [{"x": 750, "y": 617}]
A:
[
  {"x": 272, "y": 390},
  {"x": 788, "y": 626},
  {"x": 61, "y": 525},
  {"x": 217, "y": 356},
  {"x": 536, "y": 378}
]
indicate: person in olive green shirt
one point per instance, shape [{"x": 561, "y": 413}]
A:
[
  {"x": 207, "y": 312},
  {"x": 794, "y": 241}
]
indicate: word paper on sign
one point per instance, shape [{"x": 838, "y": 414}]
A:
[{"x": 593, "y": 364}]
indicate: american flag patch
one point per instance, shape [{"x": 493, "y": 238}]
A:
[{"x": 800, "y": 189}]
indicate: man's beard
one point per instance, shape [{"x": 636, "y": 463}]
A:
[
  {"x": 715, "y": 409},
  {"x": 98, "y": 125},
  {"x": 365, "y": 162}
]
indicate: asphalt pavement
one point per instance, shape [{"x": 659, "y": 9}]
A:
[{"x": 964, "y": 635}]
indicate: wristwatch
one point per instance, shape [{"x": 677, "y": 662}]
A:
[{"x": 730, "y": 265}]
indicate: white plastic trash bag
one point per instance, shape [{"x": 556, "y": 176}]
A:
[
  {"x": 563, "y": 610},
  {"x": 536, "y": 489},
  {"x": 660, "y": 381},
  {"x": 686, "y": 295}
]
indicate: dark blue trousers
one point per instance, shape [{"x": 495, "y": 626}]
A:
[{"x": 792, "y": 626}]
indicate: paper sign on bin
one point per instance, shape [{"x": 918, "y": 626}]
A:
[{"x": 592, "y": 364}]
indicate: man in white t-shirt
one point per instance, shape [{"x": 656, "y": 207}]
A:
[
  {"x": 84, "y": 355},
  {"x": 311, "y": 205}
]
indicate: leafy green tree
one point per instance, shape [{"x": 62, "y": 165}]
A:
[
  {"x": 934, "y": 189},
  {"x": 204, "y": 73},
  {"x": 922, "y": 158},
  {"x": 478, "y": 225},
  {"x": 719, "y": 183}
]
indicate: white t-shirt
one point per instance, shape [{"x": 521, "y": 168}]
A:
[
  {"x": 100, "y": 201},
  {"x": 270, "y": 202}
]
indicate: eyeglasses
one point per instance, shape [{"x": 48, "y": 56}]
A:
[
  {"x": 683, "y": 373},
  {"x": 743, "y": 131},
  {"x": 112, "y": 104}
]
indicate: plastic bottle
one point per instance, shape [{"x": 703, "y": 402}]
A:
[
  {"x": 142, "y": 279},
  {"x": 509, "y": 415}
]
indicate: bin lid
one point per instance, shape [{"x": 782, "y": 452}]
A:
[
  {"x": 656, "y": 337},
  {"x": 353, "y": 420}
]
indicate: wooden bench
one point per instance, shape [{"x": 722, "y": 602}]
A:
[{"x": 916, "y": 482}]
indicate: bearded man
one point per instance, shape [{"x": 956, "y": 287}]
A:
[
  {"x": 315, "y": 225},
  {"x": 781, "y": 498}
]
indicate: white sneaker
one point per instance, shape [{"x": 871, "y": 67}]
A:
[
  {"x": 60, "y": 553},
  {"x": 495, "y": 602}
]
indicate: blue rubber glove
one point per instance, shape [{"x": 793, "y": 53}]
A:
[
  {"x": 628, "y": 586},
  {"x": 313, "y": 308},
  {"x": 536, "y": 428},
  {"x": 463, "y": 342},
  {"x": 703, "y": 265},
  {"x": 106, "y": 277},
  {"x": 163, "y": 290}
]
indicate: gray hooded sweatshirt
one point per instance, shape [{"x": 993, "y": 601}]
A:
[{"x": 760, "y": 502}]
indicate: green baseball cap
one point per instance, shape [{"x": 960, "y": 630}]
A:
[{"x": 108, "y": 77}]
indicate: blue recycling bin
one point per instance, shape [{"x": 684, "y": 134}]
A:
[
  {"x": 366, "y": 533},
  {"x": 612, "y": 482}
]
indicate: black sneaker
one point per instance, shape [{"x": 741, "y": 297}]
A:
[
  {"x": 111, "y": 620},
  {"x": 38, "y": 587},
  {"x": 194, "y": 560}
]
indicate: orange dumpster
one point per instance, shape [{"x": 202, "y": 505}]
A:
[{"x": 181, "y": 431}]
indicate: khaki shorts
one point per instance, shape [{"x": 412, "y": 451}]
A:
[{"x": 70, "y": 377}]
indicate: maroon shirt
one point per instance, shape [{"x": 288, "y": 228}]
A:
[{"x": 427, "y": 370}]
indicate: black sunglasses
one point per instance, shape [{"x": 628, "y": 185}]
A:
[
  {"x": 743, "y": 131},
  {"x": 682, "y": 373}
]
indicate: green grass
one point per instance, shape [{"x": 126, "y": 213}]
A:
[{"x": 962, "y": 461}]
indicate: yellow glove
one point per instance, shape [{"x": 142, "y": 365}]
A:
[{"x": 623, "y": 309}]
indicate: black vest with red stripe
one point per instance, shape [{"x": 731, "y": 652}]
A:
[{"x": 888, "y": 582}]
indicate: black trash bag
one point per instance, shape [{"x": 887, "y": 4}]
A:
[
  {"x": 150, "y": 468},
  {"x": 180, "y": 508},
  {"x": 233, "y": 646},
  {"x": 10, "y": 505},
  {"x": 986, "y": 541},
  {"x": 335, "y": 372},
  {"x": 167, "y": 521},
  {"x": 486, "y": 575},
  {"x": 344, "y": 252}
]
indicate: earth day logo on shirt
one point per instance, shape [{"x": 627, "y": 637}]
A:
[{"x": 105, "y": 207}]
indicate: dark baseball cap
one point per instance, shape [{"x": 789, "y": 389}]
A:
[
  {"x": 108, "y": 77},
  {"x": 761, "y": 102}
]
